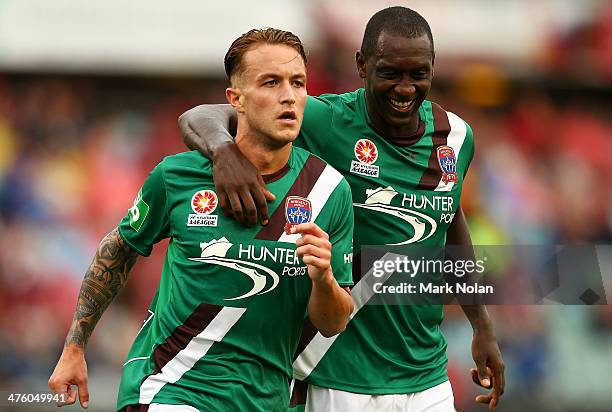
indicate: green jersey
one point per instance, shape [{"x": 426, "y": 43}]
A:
[
  {"x": 226, "y": 319},
  {"x": 405, "y": 191}
]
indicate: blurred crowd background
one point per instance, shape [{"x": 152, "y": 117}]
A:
[{"x": 79, "y": 132}]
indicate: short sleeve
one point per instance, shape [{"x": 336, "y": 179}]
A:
[
  {"x": 341, "y": 235},
  {"x": 146, "y": 222},
  {"x": 469, "y": 148},
  {"x": 316, "y": 126}
]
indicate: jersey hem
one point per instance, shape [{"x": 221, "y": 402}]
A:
[
  {"x": 378, "y": 390},
  {"x": 162, "y": 400}
]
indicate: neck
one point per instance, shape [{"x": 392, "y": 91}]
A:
[{"x": 258, "y": 150}]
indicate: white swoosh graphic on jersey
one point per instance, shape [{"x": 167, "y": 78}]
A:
[
  {"x": 259, "y": 280},
  {"x": 405, "y": 215}
]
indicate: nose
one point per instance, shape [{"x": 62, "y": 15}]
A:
[
  {"x": 405, "y": 88},
  {"x": 287, "y": 94}
]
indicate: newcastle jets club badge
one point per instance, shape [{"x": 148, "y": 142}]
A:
[
  {"x": 448, "y": 163},
  {"x": 297, "y": 210}
]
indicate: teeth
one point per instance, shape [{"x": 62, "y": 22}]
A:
[{"x": 401, "y": 105}]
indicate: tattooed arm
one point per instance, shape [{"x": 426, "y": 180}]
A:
[{"x": 106, "y": 276}]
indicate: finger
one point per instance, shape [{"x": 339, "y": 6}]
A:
[
  {"x": 236, "y": 206},
  {"x": 84, "y": 394},
  {"x": 310, "y": 250},
  {"x": 71, "y": 398},
  {"x": 474, "y": 374},
  {"x": 262, "y": 204},
  {"x": 310, "y": 228},
  {"x": 270, "y": 197},
  {"x": 224, "y": 203},
  {"x": 483, "y": 399},
  {"x": 313, "y": 240},
  {"x": 318, "y": 263},
  {"x": 493, "y": 403},
  {"x": 484, "y": 376},
  {"x": 498, "y": 381},
  {"x": 250, "y": 211},
  {"x": 62, "y": 390}
]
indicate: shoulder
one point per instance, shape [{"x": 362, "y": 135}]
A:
[
  {"x": 342, "y": 98},
  {"x": 446, "y": 122},
  {"x": 327, "y": 175},
  {"x": 184, "y": 162},
  {"x": 347, "y": 100},
  {"x": 336, "y": 102}
]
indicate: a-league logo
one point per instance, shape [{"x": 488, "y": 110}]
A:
[
  {"x": 203, "y": 203},
  {"x": 297, "y": 210},
  {"x": 366, "y": 151},
  {"x": 448, "y": 163}
]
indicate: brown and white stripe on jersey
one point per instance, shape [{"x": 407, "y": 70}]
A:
[
  {"x": 302, "y": 186},
  {"x": 298, "y": 388},
  {"x": 449, "y": 130},
  {"x": 187, "y": 344},
  {"x": 431, "y": 178},
  {"x": 316, "y": 182},
  {"x": 362, "y": 292},
  {"x": 455, "y": 139},
  {"x": 199, "y": 319}
]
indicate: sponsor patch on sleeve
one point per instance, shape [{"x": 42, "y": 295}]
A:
[{"x": 138, "y": 212}]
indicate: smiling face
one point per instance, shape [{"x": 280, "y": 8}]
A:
[
  {"x": 397, "y": 79},
  {"x": 269, "y": 93}
]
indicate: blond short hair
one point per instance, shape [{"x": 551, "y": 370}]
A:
[{"x": 268, "y": 35}]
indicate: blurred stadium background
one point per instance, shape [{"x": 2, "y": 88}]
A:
[{"x": 89, "y": 99}]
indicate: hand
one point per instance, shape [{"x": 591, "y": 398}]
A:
[
  {"x": 314, "y": 248},
  {"x": 489, "y": 366},
  {"x": 241, "y": 189},
  {"x": 71, "y": 369}
]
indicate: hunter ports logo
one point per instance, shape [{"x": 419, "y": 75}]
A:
[
  {"x": 215, "y": 252},
  {"x": 203, "y": 203},
  {"x": 366, "y": 153},
  {"x": 448, "y": 164}
]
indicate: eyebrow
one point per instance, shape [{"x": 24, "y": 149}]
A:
[{"x": 276, "y": 75}]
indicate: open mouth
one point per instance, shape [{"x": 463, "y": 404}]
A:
[
  {"x": 401, "y": 105},
  {"x": 288, "y": 116}
]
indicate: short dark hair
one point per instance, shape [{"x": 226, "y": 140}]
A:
[
  {"x": 400, "y": 21},
  {"x": 268, "y": 35}
]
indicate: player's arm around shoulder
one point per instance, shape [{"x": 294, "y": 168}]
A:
[{"x": 328, "y": 256}]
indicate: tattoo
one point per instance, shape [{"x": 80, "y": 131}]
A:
[{"x": 107, "y": 274}]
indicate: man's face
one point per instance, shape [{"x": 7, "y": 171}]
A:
[
  {"x": 397, "y": 79},
  {"x": 271, "y": 93}
]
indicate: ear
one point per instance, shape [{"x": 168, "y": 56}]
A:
[
  {"x": 235, "y": 98},
  {"x": 361, "y": 64},
  {"x": 433, "y": 60}
]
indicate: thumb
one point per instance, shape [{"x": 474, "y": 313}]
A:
[
  {"x": 84, "y": 394},
  {"x": 483, "y": 375},
  {"x": 267, "y": 194}
]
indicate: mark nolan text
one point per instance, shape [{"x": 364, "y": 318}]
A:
[{"x": 409, "y": 288}]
